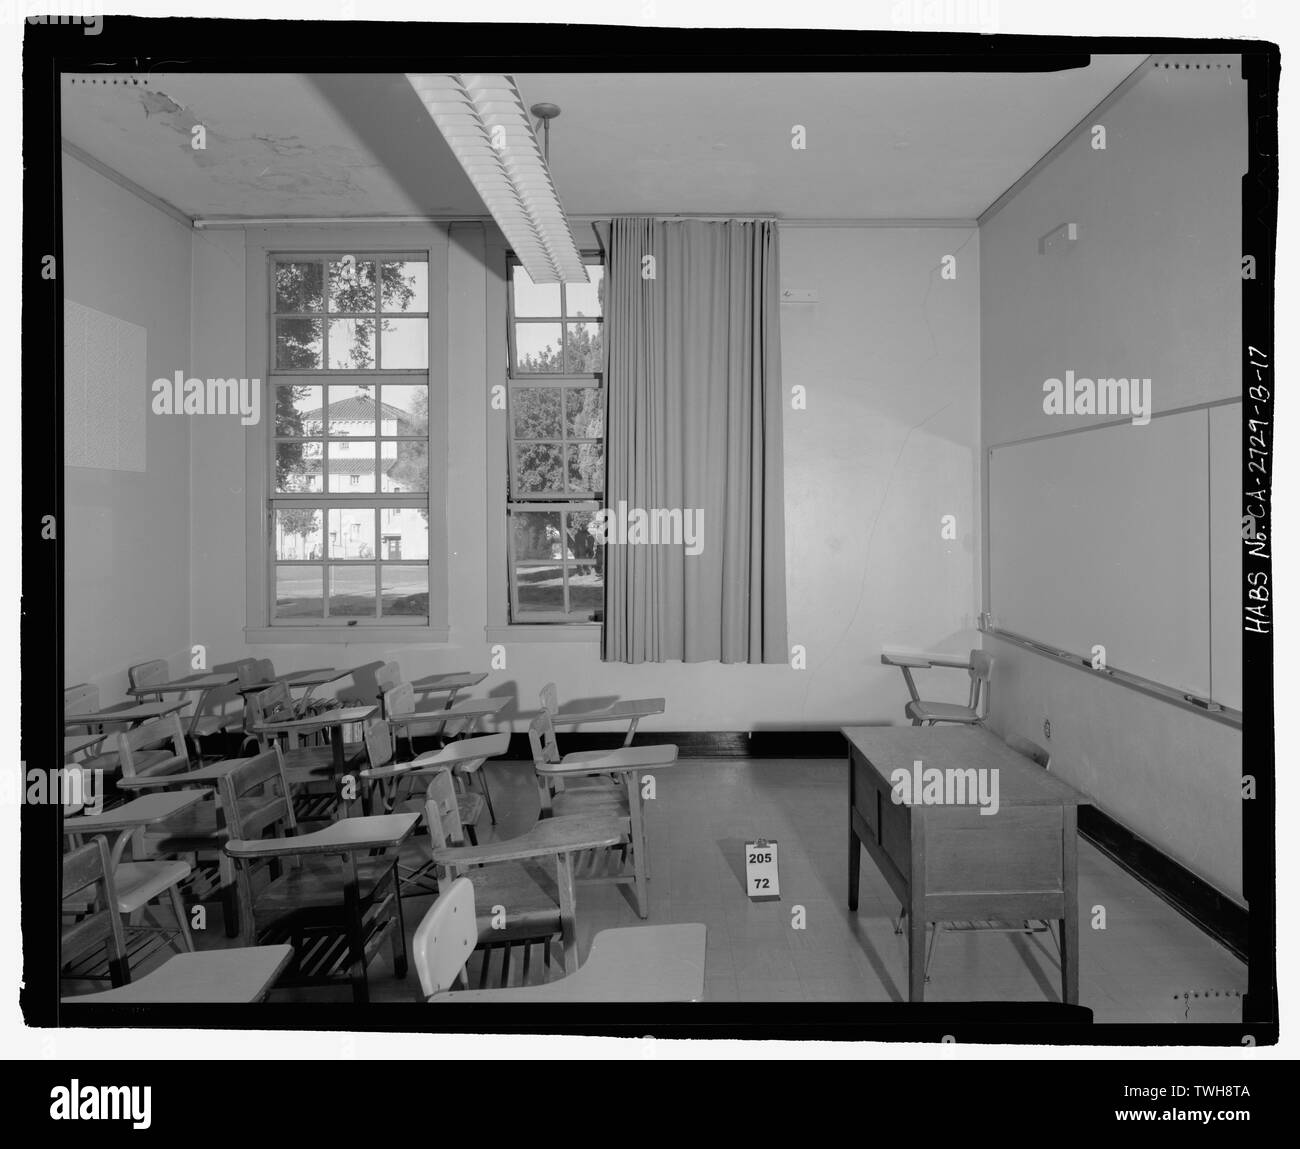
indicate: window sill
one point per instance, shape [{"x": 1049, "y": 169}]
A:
[
  {"x": 566, "y": 632},
  {"x": 343, "y": 636}
]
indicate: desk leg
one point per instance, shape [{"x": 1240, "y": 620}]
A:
[
  {"x": 855, "y": 863},
  {"x": 916, "y": 953},
  {"x": 568, "y": 915},
  {"x": 1070, "y": 923},
  {"x": 855, "y": 846}
]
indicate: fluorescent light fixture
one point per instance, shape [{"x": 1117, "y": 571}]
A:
[{"x": 483, "y": 120}]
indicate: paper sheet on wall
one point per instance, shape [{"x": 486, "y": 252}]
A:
[{"x": 104, "y": 390}]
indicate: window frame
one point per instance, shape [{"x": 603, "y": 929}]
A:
[
  {"x": 263, "y": 246},
  {"x": 546, "y": 501}
]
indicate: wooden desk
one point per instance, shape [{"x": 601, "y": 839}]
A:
[
  {"x": 129, "y": 716},
  {"x": 333, "y": 720},
  {"x": 952, "y": 862},
  {"x": 452, "y": 683},
  {"x": 185, "y": 685},
  {"x": 640, "y": 963},
  {"x": 74, "y": 744},
  {"x": 210, "y": 775},
  {"x": 311, "y": 679},
  {"x": 203, "y": 683},
  {"x": 132, "y": 816},
  {"x": 218, "y": 977}
]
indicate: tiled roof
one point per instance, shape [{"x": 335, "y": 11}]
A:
[
  {"x": 358, "y": 409},
  {"x": 346, "y": 466}
]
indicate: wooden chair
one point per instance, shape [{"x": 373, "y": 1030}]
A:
[
  {"x": 333, "y": 894},
  {"x": 398, "y": 706},
  {"x": 1040, "y": 757},
  {"x": 979, "y": 667},
  {"x": 392, "y": 783},
  {"x": 203, "y": 831},
  {"x": 154, "y": 747},
  {"x": 1031, "y": 750},
  {"x": 521, "y": 900},
  {"x": 646, "y": 963},
  {"x": 616, "y": 795},
  {"x": 147, "y": 674},
  {"x": 310, "y": 769},
  {"x": 388, "y": 676},
  {"x": 630, "y": 710},
  {"x": 91, "y": 923}
]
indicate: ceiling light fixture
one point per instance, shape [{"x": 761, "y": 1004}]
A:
[{"x": 483, "y": 120}]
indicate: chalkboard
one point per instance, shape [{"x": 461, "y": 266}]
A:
[{"x": 1123, "y": 542}]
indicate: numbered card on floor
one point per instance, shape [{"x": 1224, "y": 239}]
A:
[{"x": 761, "y": 880}]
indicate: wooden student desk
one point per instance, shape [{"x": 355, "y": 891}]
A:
[
  {"x": 951, "y": 862},
  {"x": 638, "y": 963}
]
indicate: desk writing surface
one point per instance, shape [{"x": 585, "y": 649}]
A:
[
  {"x": 125, "y": 716},
  {"x": 137, "y": 812},
  {"x": 634, "y": 963},
  {"x": 338, "y": 717},
  {"x": 240, "y": 974},
  {"x": 182, "y": 685},
  {"x": 1020, "y": 782}
]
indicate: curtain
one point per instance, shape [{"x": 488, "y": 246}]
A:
[{"x": 694, "y": 519}]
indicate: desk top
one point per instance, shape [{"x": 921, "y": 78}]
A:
[
  {"x": 316, "y": 677},
  {"x": 639, "y": 963},
  {"x": 75, "y": 743},
  {"x": 319, "y": 721},
  {"x": 126, "y": 716},
  {"x": 137, "y": 812},
  {"x": 459, "y": 680},
  {"x": 184, "y": 685},
  {"x": 209, "y": 775},
  {"x": 242, "y": 974},
  {"x": 348, "y": 835},
  {"x": 1020, "y": 781}
]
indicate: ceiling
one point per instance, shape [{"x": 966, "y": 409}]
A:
[{"x": 890, "y": 145}]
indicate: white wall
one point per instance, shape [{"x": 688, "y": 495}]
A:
[
  {"x": 887, "y": 445},
  {"x": 1151, "y": 288},
  {"x": 126, "y": 534}
]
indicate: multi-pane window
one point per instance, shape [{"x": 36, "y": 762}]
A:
[
  {"x": 349, "y": 482},
  {"x": 557, "y": 447}
]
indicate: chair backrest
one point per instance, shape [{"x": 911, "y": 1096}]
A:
[
  {"x": 445, "y": 938},
  {"x": 981, "y": 670},
  {"x": 1031, "y": 750},
  {"x": 442, "y": 815},
  {"x": 255, "y": 796},
  {"x": 160, "y": 733},
  {"x": 275, "y": 703},
  {"x": 255, "y": 800},
  {"x": 84, "y": 867},
  {"x": 550, "y": 700},
  {"x": 541, "y": 737},
  {"x": 388, "y": 676},
  {"x": 147, "y": 673},
  {"x": 379, "y": 742},
  {"x": 83, "y": 699},
  {"x": 399, "y": 700}
]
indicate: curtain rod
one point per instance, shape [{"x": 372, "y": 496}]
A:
[{"x": 213, "y": 222}]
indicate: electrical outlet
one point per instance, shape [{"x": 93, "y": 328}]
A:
[{"x": 1047, "y": 729}]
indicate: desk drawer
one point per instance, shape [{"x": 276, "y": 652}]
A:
[{"x": 1017, "y": 849}]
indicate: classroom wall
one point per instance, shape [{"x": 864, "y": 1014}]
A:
[
  {"x": 1151, "y": 288},
  {"x": 886, "y": 446},
  {"x": 125, "y": 534}
]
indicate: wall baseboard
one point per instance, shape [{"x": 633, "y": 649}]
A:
[
  {"x": 1213, "y": 912},
  {"x": 1204, "y": 906}
]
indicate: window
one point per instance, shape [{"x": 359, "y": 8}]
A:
[
  {"x": 348, "y": 489},
  {"x": 556, "y": 447}
]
